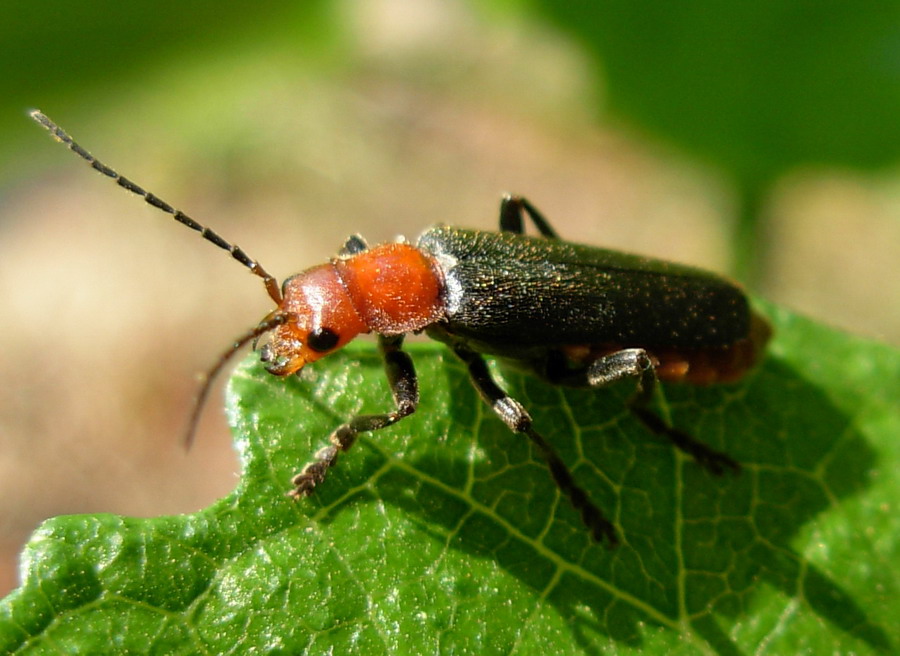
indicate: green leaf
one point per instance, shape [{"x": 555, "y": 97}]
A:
[{"x": 445, "y": 533}]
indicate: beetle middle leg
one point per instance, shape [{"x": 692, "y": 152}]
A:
[
  {"x": 404, "y": 386},
  {"x": 637, "y": 363},
  {"x": 518, "y": 420}
]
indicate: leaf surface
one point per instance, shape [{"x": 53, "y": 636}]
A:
[{"x": 445, "y": 532}]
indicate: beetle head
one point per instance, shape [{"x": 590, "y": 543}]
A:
[{"x": 320, "y": 319}]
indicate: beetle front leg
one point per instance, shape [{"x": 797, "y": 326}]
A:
[
  {"x": 512, "y": 214},
  {"x": 401, "y": 376},
  {"x": 637, "y": 363},
  {"x": 518, "y": 420}
]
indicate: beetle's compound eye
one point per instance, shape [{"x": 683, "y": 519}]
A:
[{"x": 322, "y": 339}]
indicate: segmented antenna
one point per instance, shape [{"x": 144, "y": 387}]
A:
[
  {"x": 269, "y": 323},
  {"x": 272, "y": 321},
  {"x": 60, "y": 135}
]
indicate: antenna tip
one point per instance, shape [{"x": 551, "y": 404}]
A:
[{"x": 41, "y": 118}]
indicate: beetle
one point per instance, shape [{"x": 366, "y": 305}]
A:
[{"x": 572, "y": 315}]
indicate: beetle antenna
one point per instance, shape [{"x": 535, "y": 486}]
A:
[
  {"x": 269, "y": 323},
  {"x": 61, "y": 136}
]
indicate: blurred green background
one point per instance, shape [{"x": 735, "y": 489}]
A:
[{"x": 759, "y": 139}]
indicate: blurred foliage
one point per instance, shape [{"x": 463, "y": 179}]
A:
[
  {"x": 755, "y": 87},
  {"x": 69, "y": 50}
]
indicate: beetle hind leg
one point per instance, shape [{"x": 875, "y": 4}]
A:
[
  {"x": 637, "y": 363},
  {"x": 711, "y": 460}
]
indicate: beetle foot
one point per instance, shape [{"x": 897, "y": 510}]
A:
[
  {"x": 715, "y": 462},
  {"x": 315, "y": 472},
  {"x": 601, "y": 528}
]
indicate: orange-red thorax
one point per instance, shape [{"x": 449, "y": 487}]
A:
[
  {"x": 396, "y": 288},
  {"x": 390, "y": 289}
]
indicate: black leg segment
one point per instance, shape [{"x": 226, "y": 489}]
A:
[
  {"x": 519, "y": 421},
  {"x": 637, "y": 363},
  {"x": 711, "y": 460},
  {"x": 512, "y": 212},
  {"x": 405, "y": 389},
  {"x": 354, "y": 245}
]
